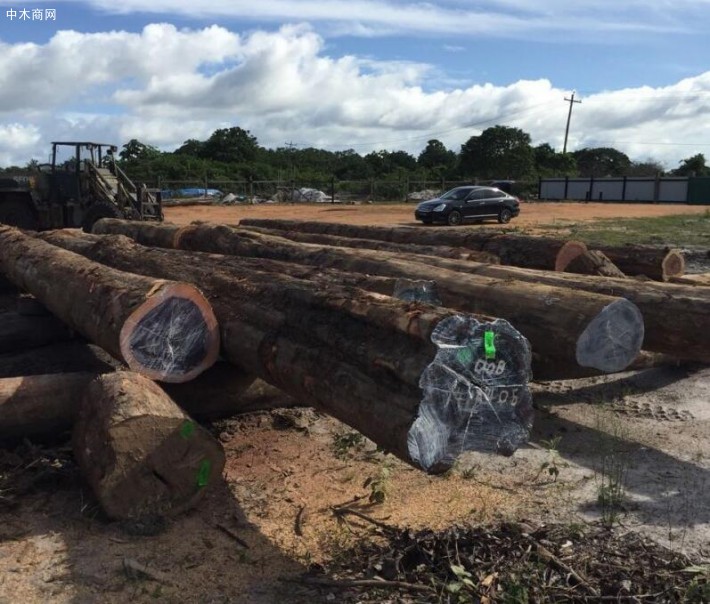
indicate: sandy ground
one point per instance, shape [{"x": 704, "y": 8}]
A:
[
  {"x": 531, "y": 214},
  {"x": 643, "y": 437}
]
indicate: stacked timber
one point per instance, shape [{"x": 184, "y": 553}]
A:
[
  {"x": 360, "y": 356},
  {"x": 165, "y": 330},
  {"x": 525, "y": 251},
  {"x": 573, "y": 328},
  {"x": 676, "y": 317}
]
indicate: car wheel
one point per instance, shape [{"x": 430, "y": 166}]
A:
[
  {"x": 454, "y": 218},
  {"x": 504, "y": 216}
]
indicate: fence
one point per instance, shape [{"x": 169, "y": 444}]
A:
[
  {"x": 333, "y": 190},
  {"x": 663, "y": 189}
]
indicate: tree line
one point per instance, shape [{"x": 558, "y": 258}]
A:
[{"x": 499, "y": 152}]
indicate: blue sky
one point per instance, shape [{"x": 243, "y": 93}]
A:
[{"x": 365, "y": 74}]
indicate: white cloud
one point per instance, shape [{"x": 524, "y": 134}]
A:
[{"x": 165, "y": 85}]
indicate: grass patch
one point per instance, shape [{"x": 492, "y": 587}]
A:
[{"x": 686, "y": 230}]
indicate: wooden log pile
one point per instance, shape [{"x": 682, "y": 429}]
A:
[{"x": 424, "y": 340}]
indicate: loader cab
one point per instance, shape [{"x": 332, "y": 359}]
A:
[{"x": 68, "y": 190}]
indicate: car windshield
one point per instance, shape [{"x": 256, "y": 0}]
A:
[{"x": 456, "y": 194}]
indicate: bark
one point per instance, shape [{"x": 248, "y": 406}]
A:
[
  {"x": 374, "y": 362},
  {"x": 165, "y": 330},
  {"x": 438, "y": 251},
  {"x": 676, "y": 317},
  {"x": 517, "y": 250},
  {"x": 142, "y": 455},
  {"x": 702, "y": 279},
  {"x": 29, "y": 306},
  {"x": 594, "y": 262},
  {"x": 45, "y": 406},
  {"x": 19, "y": 332},
  {"x": 65, "y": 357},
  {"x": 145, "y": 233}
]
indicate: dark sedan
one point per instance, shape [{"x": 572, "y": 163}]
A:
[{"x": 472, "y": 203}]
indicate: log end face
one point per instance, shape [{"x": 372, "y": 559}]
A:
[
  {"x": 568, "y": 252},
  {"x": 173, "y": 336},
  {"x": 475, "y": 394},
  {"x": 673, "y": 265},
  {"x": 613, "y": 339}
]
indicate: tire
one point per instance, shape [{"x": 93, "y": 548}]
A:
[
  {"x": 17, "y": 213},
  {"x": 504, "y": 216},
  {"x": 454, "y": 218},
  {"x": 97, "y": 211}
]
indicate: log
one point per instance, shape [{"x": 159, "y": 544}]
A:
[
  {"x": 572, "y": 328},
  {"x": 517, "y": 250},
  {"x": 165, "y": 330},
  {"x": 439, "y": 251},
  {"x": 702, "y": 279},
  {"x": 45, "y": 406},
  {"x": 370, "y": 360},
  {"x": 145, "y": 233},
  {"x": 683, "y": 337},
  {"x": 594, "y": 262},
  {"x": 568, "y": 252},
  {"x": 65, "y": 357},
  {"x": 19, "y": 332},
  {"x": 141, "y": 454}
]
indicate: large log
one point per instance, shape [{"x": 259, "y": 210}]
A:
[
  {"x": 374, "y": 362},
  {"x": 571, "y": 328},
  {"x": 676, "y": 317},
  {"x": 142, "y": 455},
  {"x": 64, "y": 357},
  {"x": 19, "y": 332},
  {"x": 594, "y": 262},
  {"x": 526, "y": 251},
  {"x": 702, "y": 279},
  {"x": 439, "y": 251},
  {"x": 165, "y": 330},
  {"x": 45, "y": 406}
]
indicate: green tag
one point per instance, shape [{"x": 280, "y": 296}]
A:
[
  {"x": 187, "y": 429},
  {"x": 489, "y": 345},
  {"x": 203, "y": 474},
  {"x": 464, "y": 356}
]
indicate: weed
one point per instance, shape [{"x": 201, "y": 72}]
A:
[
  {"x": 346, "y": 441},
  {"x": 613, "y": 464},
  {"x": 551, "y": 466},
  {"x": 462, "y": 588},
  {"x": 379, "y": 484}
]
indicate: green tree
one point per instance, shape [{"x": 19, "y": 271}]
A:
[
  {"x": 230, "y": 145},
  {"x": 191, "y": 147},
  {"x": 499, "y": 152},
  {"x": 134, "y": 150},
  {"x": 601, "y": 161},
  {"x": 436, "y": 157},
  {"x": 550, "y": 163},
  {"x": 692, "y": 166},
  {"x": 645, "y": 168}
]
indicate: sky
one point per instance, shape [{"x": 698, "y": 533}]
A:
[{"x": 356, "y": 74}]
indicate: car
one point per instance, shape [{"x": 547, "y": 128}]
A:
[{"x": 469, "y": 203}]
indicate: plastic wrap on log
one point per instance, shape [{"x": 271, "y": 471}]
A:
[
  {"x": 356, "y": 355},
  {"x": 141, "y": 454},
  {"x": 165, "y": 330}
]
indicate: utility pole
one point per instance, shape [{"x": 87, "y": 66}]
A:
[
  {"x": 569, "y": 117},
  {"x": 291, "y": 146}
]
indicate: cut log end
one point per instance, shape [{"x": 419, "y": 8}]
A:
[
  {"x": 475, "y": 394},
  {"x": 568, "y": 252},
  {"x": 173, "y": 336},
  {"x": 143, "y": 457},
  {"x": 673, "y": 265},
  {"x": 613, "y": 339}
]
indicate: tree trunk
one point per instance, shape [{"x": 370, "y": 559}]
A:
[
  {"x": 65, "y": 357},
  {"x": 141, "y": 454},
  {"x": 594, "y": 262},
  {"x": 572, "y": 328},
  {"x": 45, "y": 406},
  {"x": 438, "y": 251},
  {"x": 165, "y": 330},
  {"x": 567, "y": 254},
  {"x": 19, "y": 332},
  {"x": 146, "y": 233},
  {"x": 517, "y": 250},
  {"x": 702, "y": 279},
  {"x": 376, "y": 363}
]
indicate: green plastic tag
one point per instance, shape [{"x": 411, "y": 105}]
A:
[
  {"x": 203, "y": 474},
  {"x": 489, "y": 344},
  {"x": 187, "y": 429}
]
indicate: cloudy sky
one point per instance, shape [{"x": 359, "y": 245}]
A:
[{"x": 360, "y": 74}]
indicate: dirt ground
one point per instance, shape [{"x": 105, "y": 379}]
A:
[
  {"x": 630, "y": 450},
  {"x": 531, "y": 214}
]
